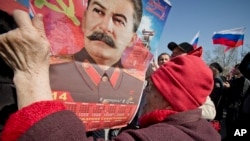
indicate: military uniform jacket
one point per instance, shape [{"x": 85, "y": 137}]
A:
[{"x": 86, "y": 82}]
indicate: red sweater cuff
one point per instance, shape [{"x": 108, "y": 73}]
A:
[{"x": 22, "y": 120}]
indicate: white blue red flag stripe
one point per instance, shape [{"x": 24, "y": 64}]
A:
[
  {"x": 194, "y": 41},
  {"x": 230, "y": 38}
]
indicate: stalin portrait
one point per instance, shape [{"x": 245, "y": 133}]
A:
[{"x": 96, "y": 73}]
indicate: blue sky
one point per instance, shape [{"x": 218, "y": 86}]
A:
[{"x": 187, "y": 17}]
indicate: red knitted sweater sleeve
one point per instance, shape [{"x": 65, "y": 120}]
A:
[{"x": 22, "y": 120}]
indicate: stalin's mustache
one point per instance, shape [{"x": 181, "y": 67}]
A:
[{"x": 102, "y": 37}]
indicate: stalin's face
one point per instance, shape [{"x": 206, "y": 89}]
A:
[{"x": 108, "y": 29}]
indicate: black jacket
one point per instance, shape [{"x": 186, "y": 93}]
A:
[{"x": 245, "y": 66}]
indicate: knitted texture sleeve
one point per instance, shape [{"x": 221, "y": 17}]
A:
[{"x": 22, "y": 120}]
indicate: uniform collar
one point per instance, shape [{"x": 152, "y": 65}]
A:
[{"x": 95, "y": 73}]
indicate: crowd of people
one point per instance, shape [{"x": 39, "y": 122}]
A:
[
  {"x": 182, "y": 97},
  {"x": 230, "y": 96}
]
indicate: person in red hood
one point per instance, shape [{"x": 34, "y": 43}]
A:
[
  {"x": 208, "y": 108},
  {"x": 171, "y": 112}
]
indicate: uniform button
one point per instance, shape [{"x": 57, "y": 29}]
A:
[{"x": 105, "y": 78}]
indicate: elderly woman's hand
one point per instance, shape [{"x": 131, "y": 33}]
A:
[
  {"x": 26, "y": 50},
  {"x": 27, "y": 46}
]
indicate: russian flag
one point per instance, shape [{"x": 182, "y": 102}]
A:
[
  {"x": 194, "y": 41},
  {"x": 230, "y": 38}
]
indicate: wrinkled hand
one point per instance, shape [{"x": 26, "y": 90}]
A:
[
  {"x": 26, "y": 50},
  {"x": 27, "y": 46}
]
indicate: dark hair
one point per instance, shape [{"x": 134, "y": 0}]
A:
[
  {"x": 164, "y": 53},
  {"x": 7, "y": 23},
  {"x": 217, "y": 66},
  {"x": 138, "y": 12}
]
